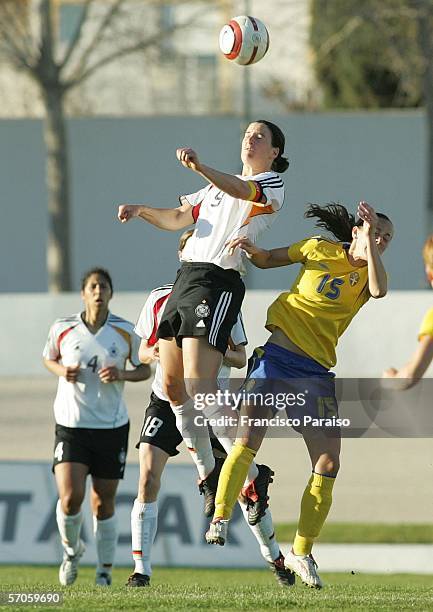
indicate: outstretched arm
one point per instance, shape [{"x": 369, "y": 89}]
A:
[
  {"x": 261, "y": 258},
  {"x": 230, "y": 184},
  {"x": 416, "y": 367},
  {"x": 171, "y": 219}
]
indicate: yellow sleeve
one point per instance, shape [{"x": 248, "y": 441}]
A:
[
  {"x": 426, "y": 328},
  {"x": 299, "y": 251}
]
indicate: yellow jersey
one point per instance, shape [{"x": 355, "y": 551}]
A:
[
  {"x": 326, "y": 295},
  {"x": 426, "y": 328}
]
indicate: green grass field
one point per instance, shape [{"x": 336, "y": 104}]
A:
[
  {"x": 196, "y": 589},
  {"x": 364, "y": 533}
]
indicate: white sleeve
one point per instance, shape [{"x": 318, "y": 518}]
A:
[
  {"x": 238, "y": 334},
  {"x": 51, "y": 349},
  {"x": 146, "y": 321},
  {"x": 272, "y": 187},
  {"x": 195, "y": 198}
]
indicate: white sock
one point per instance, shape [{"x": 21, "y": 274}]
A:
[
  {"x": 144, "y": 523},
  {"x": 105, "y": 533},
  {"x": 196, "y": 438},
  {"x": 264, "y": 534},
  {"x": 69, "y": 529}
]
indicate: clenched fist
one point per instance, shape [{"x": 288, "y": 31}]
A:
[{"x": 127, "y": 212}]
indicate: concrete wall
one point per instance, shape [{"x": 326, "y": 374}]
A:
[
  {"x": 384, "y": 333},
  {"x": 369, "y": 489},
  {"x": 343, "y": 157}
]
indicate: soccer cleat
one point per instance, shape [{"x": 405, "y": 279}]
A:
[
  {"x": 256, "y": 494},
  {"x": 285, "y": 577},
  {"x": 305, "y": 567},
  {"x": 217, "y": 533},
  {"x": 103, "y": 579},
  {"x": 208, "y": 487},
  {"x": 68, "y": 570},
  {"x": 138, "y": 580}
]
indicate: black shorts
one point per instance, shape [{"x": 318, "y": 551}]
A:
[
  {"x": 102, "y": 450},
  {"x": 159, "y": 427},
  {"x": 205, "y": 301}
]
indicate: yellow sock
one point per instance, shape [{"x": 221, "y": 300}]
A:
[
  {"x": 315, "y": 505},
  {"x": 231, "y": 479}
]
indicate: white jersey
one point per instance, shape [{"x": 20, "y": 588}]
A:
[
  {"x": 220, "y": 218},
  {"x": 147, "y": 326},
  {"x": 89, "y": 402}
]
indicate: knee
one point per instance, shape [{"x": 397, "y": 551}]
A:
[
  {"x": 148, "y": 486},
  {"x": 103, "y": 508},
  {"x": 71, "y": 502},
  {"x": 327, "y": 465},
  {"x": 197, "y": 386},
  {"x": 174, "y": 389}
]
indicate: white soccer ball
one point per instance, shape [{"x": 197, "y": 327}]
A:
[{"x": 244, "y": 40}]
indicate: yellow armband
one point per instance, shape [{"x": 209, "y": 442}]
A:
[{"x": 256, "y": 192}]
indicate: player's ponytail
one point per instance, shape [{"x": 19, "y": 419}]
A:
[
  {"x": 336, "y": 219},
  {"x": 280, "y": 163}
]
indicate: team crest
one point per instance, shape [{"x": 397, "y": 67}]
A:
[
  {"x": 202, "y": 311},
  {"x": 353, "y": 278},
  {"x": 113, "y": 350}
]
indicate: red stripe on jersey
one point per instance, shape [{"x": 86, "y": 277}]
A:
[
  {"x": 195, "y": 212},
  {"x": 238, "y": 40},
  {"x": 62, "y": 335},
  {"x": 254, "y": 53},
  {"x": 156, "y": 308}
]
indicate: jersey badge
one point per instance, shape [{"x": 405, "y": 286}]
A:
[
  {"x": 353, "y": 278},
  {"x": 113, "y": 350},
  {"x": 202, "y": 310}
]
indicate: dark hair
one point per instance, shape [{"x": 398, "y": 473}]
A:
[
  {"x": 280, "y": 163},
  {"x": 184, "y": 239},
  {"x": 102, "y": 272},
  {"x": 336, "y": 219}
]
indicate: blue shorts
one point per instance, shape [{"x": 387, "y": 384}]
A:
[{"x": 290, "y": 383}]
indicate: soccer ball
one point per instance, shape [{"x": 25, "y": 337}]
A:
[{"x": 244, "y": 40}]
